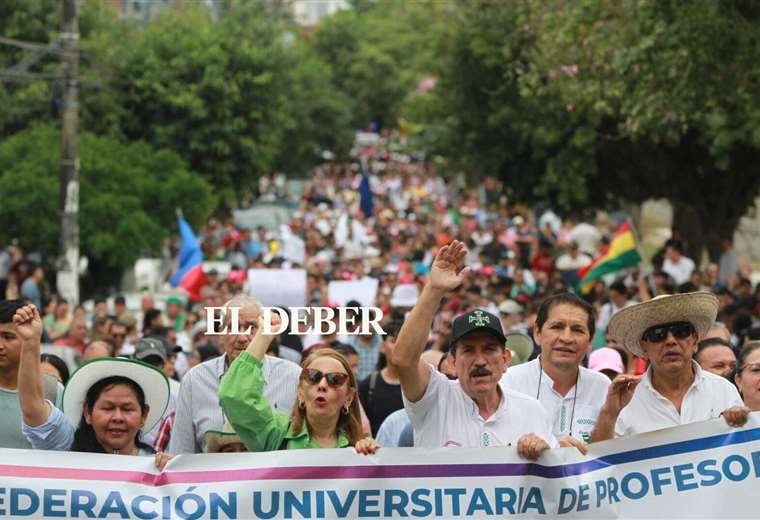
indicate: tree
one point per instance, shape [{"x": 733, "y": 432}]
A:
[
  {"x": 378, "y": 52},
  {"x": 600, "y": 103},
  {"x": 129, "y": 193},
  {"x": 673, "y": 96}
]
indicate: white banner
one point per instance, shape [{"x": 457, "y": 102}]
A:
[
  {"x": 704, "y": 470},
  {"x": 278, "y": 287},
  {"x": 364, "y": 291}
]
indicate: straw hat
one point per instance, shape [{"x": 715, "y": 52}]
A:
[
  {"x": 628, "y": 325},
  {"x": 215, "y": 440},
  {"x": 153, "y": 382}
]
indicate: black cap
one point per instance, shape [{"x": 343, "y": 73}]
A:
[{"x": 475, "y": 321}]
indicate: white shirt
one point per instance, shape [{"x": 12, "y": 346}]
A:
[
  {"x": 681, "y": 271},
  {"x": 390, "y": 431},
  {"x": 648, "y": 410},
  {"x": 446, "y": 416},
  {"x": 198, "y": 408},
  {"x": 591, "y": 393}
]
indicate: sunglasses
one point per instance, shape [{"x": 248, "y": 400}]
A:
[
  {"x": 314, "y": 376},
  {"x": 679, "y": 329}
]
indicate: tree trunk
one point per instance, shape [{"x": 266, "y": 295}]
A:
[{"x": 687, "y": 226}]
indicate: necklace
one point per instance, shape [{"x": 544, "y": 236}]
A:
[{"x": 575, "y": 393}]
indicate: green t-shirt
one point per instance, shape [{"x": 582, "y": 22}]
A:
[
  {"x": 10, "y": 412},
  {"x": 10, "y": 426}
]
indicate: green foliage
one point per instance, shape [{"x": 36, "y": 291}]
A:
[
  {"x": 379, "y": 52},
  {"x": 128, "y": 195}
]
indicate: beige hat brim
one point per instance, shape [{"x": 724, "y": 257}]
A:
[
  {"x": 628, "y": 325},
  {"x": 215, "y": 440}
]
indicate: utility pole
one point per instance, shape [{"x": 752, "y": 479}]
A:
[{"x": 68, "y": 272}]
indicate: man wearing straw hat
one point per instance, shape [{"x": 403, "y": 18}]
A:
[{"x": 674, "y": 390}]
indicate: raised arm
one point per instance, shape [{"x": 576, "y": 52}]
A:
[
  {"x": 447, "y": 273},
  {"x": 619, "y": 394},
  {"x": 34, "y": 407},
  {"x": 241, "y": 394}
]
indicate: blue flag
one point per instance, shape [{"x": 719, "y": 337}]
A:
[
  {"x": 189, "y": 274},
  {"x": 367, "y": 204}
]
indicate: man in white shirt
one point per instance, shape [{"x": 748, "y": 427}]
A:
[
  {"x": 676, "y": 265},
  {"x": 472, "y": 411},
  {"x": 198, "y": 409},
  {"x": 674, "y": 390},
  {"x": 571, "y": 394}
]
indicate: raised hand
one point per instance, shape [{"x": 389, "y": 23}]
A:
[
  {"x": 260, "y": 342},
  {"x": 448, "y": 271},
  {"x": 620, "y": 392},
  {"x": 28, "y": 324}
]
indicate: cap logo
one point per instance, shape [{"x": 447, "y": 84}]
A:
[{"x": 479, "y": 319}]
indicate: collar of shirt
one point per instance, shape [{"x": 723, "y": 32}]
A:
[
  {"x": 475, "y": 411},
  {"x": 696, "y": 384},
  {"x": 302, "y": 440},
  {"x": 546, "y": 379},
  {"x": 221, "y": 367}
]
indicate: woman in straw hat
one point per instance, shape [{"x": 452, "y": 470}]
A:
[
  {"x": 107, "y": 402},
  {"x": 325, "y": 415},
  {"x": 674, "y": 390}
]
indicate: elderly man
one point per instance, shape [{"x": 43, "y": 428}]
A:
[
  {"x": 571, "y": 394},
  {"x": 473, "y": 411},
  {"x": 675, "y": 390},
  {"x": 198, "y": 409}
]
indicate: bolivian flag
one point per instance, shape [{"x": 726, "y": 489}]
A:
[{"x": 619, "y": 254}]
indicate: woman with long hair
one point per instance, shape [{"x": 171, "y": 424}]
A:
[
  {"x": 110, "y": 400},
  {"x": 325, "y": 415}
]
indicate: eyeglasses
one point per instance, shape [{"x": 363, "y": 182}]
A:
[
  {"x": 679, "y": 329},
  {"x": 314, "y": 376},
  {"x": 754, "y": 368}
]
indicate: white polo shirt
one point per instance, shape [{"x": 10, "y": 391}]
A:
[
  {"x": 591, "y": 393},
  {"x": 446, "y": 416},
  {"x": 648, "y": 410}
]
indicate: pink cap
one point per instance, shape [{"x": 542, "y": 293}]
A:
[{"x": 606, "y": 358}]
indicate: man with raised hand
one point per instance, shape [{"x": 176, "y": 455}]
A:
[
  {"x": 472, "y": 411},
  {"x": 674, "y": 390}
]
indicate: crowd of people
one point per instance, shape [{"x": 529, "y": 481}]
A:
[{"x": 486, "y": 342}]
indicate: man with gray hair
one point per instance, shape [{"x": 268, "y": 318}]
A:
[{"x": 198, "y": 409}]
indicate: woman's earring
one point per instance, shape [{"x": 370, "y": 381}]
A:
[
  {"x": 345, "y": 410},
  {"x": 301, "y": 404}
]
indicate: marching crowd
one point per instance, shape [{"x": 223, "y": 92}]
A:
[{"x": 485, "y": 343}]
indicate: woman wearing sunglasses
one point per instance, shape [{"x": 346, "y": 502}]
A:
[
  {"x": 748, "y": 375},
  {"x": 325, "y": 415}
]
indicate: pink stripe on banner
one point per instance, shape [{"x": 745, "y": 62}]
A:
[{"x": 280, "y": 473}]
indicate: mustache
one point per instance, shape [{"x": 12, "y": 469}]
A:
[{"x": 480, "y": 371}]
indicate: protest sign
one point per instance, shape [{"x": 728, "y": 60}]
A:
[
  {"x": 364, "y": 291},
  {"x": 278, "y": 287},
  {"x": 705, "y": 470}
]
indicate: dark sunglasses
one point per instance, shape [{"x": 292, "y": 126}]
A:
[
  {"x": 314, "y": 376},
  {"x": 679, "y": 329}
]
